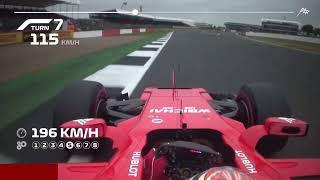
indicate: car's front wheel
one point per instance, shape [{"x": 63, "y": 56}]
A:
[
  {"x": 257, "y": 102},
  {"x": 78, "y": 100},
  {"x": 82, "y": 100}
]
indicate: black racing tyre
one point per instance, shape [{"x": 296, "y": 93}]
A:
[
  {"x": 257, "y": 102},
  {"x": 80, "y": 99}
]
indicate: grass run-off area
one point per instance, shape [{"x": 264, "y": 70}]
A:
[
  {"x": 305, "y": 46},
  {"x": 23, "y": 94}
]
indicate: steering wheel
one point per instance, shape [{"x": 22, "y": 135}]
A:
[{"x": 186, "y": 159}]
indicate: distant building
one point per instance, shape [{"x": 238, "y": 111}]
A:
[
  {"x": 203, "y": 25},
  {"x": 280, "y": 26},
  {"x": 220, "y": 28},
  {"x": 241, "y": 27}
]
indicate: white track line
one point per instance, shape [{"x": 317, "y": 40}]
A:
[
  {"x": 142, "y": 53},
  {"x": 133, "y": 84},
  {"x": 127, "y": 76},
  {"x": 116, "y": 75},
  {"x": 153, "y": 46},
  {"x": 158, "y": 42}
]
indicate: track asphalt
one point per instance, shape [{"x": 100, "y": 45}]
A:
[{"x": 220, "y": 63}]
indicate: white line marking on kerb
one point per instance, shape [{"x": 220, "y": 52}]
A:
[
  {"x": 127, "y": 76},
  {"x": 157, "y": 42},
  {"x": 133, "y": 84},
  {"x": 142, "y": 53},
  {"x": 152, "y": 46},
  {"x": 116, "y": 75}
]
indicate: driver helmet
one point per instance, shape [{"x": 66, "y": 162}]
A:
[{"x": 222, "y": 173}]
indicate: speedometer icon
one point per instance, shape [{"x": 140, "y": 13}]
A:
[{"x": 21, "y": 133}]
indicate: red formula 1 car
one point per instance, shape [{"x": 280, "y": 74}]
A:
[{"x": 172, "y": 133}]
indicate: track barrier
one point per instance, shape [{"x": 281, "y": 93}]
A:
[
  {"x": 285, "y": 36},
  {"x": 11, "y": 38},
  {"x": 65, "y": 34}
]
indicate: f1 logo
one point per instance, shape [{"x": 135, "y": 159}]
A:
[{"x": 28, "y": 22}]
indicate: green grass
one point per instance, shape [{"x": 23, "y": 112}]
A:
[
  {"x": 305, "y": 46},
  {"x": 28, "y": 91}
]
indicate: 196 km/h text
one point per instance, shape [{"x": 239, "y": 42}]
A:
[{"x": 76, "y": 133}]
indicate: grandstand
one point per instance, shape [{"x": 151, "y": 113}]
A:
[
  {"x": 125, "y": 19},
  {"x": 280, "y": 26},
  {"x": 10, "y": 21},
  {"x": 267, "y": 25},
  {"x": 204, "y": 25},
  {"x": 29, "y": 4},
  {"x": 241, "y": 27}
]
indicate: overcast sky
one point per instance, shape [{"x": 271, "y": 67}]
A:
[{"x": 217, "y": 5}]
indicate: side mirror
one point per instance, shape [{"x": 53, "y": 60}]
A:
[
  {"x": 274, "y": 126},
  {"x": 286, "y": 126},
  {"x": 83, "y": 129}
]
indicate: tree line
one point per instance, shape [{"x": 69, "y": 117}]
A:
[{"x": 309, "y": 29}]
